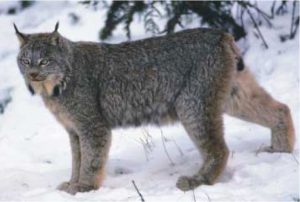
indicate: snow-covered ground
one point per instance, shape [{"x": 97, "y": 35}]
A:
[{"x": 34, "y": 148}]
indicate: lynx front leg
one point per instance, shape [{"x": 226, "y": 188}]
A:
[
  {"x": 94, "y": 146},
  {"x": 204, "y": 125},
  {"x": 75, "y": 149},
  {"x": 252, "y": 103}
]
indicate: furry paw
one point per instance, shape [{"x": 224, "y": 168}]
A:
[
  {"x": 77, "y": 187},
  {"x": 185, "y": 183},
  {"x": 63, "y": 186},
  {"x": 271, "y": 149},
  {"x": 73, "y": 188}
]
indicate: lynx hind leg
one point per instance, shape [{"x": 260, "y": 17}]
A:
[
  {"x": 250, "y": 102},
  {"x": 204, "y": 125}
]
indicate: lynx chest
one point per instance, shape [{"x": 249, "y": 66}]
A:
[{"x": 60, "y": 113}]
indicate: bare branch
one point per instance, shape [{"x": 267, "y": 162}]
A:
[
  {"x": 177, "y": 146},
  {"x": 138, "y": 191},
  {"x": 295, "y": 159},
  {"x": 166, "y": 151},
  {"x": 145, "y": 149},
  {"x": 208, "y": 198},
  {"x": 194, "y": 196},
  {"x": 257, "y": 28}
]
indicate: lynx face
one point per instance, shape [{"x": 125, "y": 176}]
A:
[{"x": 43, "y": 62}]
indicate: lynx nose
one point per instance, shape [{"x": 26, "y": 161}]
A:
[{"x": 33, "y": 75}]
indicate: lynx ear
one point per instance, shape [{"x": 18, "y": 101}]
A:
[
  {"x": 55, "y": 39},
  {"x": 56, "y": 26},
  {"x": 23, "y": 38},
  {"x": 55, "y": 35}
]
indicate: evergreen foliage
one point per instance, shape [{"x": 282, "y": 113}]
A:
[{"x": 215, "y": 14}]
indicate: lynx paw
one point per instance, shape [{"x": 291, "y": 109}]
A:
[
  {"x": 73, "y": 188},
  {"x": 185, "y": 183},
  {"x": 271, "y": 149},
  {"x": 63, "y": 186}
]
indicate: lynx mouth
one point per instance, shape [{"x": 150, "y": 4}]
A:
[
  {"x": 38, "y": 79},
  {"x": 50, "y": 85}
]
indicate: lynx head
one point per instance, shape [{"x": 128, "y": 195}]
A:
[{"x": 43, "y": 60}]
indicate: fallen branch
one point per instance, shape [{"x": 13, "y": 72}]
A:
[{"x": 138, "y": 191}]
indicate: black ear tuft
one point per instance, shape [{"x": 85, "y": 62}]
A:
[
  {"x": 23, "y": 38},
  {"x": 55, "y": 35},
  {"x": 56, "y": 26},
  {"x": 16, "y": 29}
]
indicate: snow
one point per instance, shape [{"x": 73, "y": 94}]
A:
[{"x": 34, "y": 148}]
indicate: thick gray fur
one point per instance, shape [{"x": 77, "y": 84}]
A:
[{"x": 92, "y": 88}]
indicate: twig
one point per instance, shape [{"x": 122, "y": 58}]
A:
[
  {"x": 166, "y": 151},
  {"x": 232, "y": 154},
  {"x": 296, "y": 27},
  {"x": 194, "y": 195},
  {"x": 208, "y": 198},
  {"x": 257, "y": 28},
  {"x": 281, "y": 9},
  {"x": 293, "y": 16},
  {"x": 138, "y": 191},
  {"x": 147, "y": 143},
  {"x": 177, "y": 146},
  {"x": 273, "y": 9},
  {"x": 145, "y": 149},
  {"x": 148, "y": 139},
  {"x": 246, "y": 4},
  {"x": 242, "y": 17},
  {"x": 294, "y": 22},
  {"x": 295, "y": 159}
]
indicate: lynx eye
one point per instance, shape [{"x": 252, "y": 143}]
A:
[
  {"x": 44, "y": 62},
  {"x": 25, "y": 61}
]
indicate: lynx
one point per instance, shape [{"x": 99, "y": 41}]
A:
[{"x": 192, "y": 76}]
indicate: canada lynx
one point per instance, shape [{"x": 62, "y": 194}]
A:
[{"x": 191, "y": 76}]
